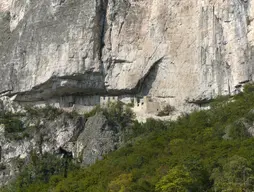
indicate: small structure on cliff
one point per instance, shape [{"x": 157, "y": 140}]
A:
[
  {"x": 83, "y": 104},
  {"x": 140, "y": 104},
  {"x": 104, "y": 100}
]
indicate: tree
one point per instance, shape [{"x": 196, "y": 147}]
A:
[
  {"x": 178, "y": 179},
  {"x": 121, "y": 183},
  {"x": 234, "y": 176}
]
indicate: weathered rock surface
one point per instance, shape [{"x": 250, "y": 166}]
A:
[
  {"x": 172, "y": 50},
  {"x": 97, "y": 139},
  {"x": 87, "y": 141}
]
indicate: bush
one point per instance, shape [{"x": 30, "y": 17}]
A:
[
  {"x": 12, "y": 123},
  {"x": 248, "y": 88},
  {"x": 40, "y": 169},
  {"x": 47, "y": 112},
  {"x": 118, "y": 114},
  {"x": 93, "y": 112},
  {"x": 238, "y": 130},
  {"x": 167, "y": 110}
]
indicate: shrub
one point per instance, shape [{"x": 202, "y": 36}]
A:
[
  {"x": 12, "y": 124},
  {"x": 248, "y": 88},
  {"x": 47, "y": 112},
  {"x": 121, "y": 183},
  {"x": 177, "y": 179},
  {"x": 118, "y": 114},
  {"x": 238, "y": 130},
  {"x": 95, "y": 110},
  {"x": 167, "y": 110}
]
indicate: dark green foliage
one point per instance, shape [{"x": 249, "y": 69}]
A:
[
  {"x": 11, "y": 122},
  {"x": 248, "y": 88},
  {"x": 167, "y": 110},
  {"x": 47, "y": 112},
  {"x": 238, "y": 130},
  {"x": 116, "y": 112},
  {"x": 234, "y": 174},
  {"x": 131, "y": 104},
  {"x": 190, "y": 154},
  {"x": 15, "y": 128},
  {"x": 42, "y": 170},
  {"x": 93, "y": 111}
]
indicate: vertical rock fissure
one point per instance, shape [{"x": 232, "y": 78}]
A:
[{"x": 103, "y": 25}]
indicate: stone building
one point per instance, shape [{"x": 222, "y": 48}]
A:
[{"x": 147, "y": 105}]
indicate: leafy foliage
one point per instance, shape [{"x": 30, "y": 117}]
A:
[
  {"x": 190, "y": 154},
  {"x": 12, "y": 123},
  {"x": 177, "y": 179},
  {"x": 167, "y": 110},
  {"x": 40, "y": 170},
  {"x": 47, "y": 112},
  {"x": 116, "y": 113},
  {"x": 121, "y": 183},
  {"x": 234, "y": 175}
]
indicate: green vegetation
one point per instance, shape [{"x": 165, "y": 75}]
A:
[
  {"x": 167, "y": 110},
  {"x": 177, "y": 179},
  {"x": 15, "y": 128},
  {"x": 116, "y": 112},
  {"x": 48, "y": 112},
  {"x": 203, "y": 151},
  {"x": 12, "y": 124}
]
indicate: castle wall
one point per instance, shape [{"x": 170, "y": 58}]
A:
[
  {"x": 127, "y": 99},
  {"x": 147, "y": 105},
  {"x": 83, "y": 104},
  {"x": 104, "y": 100},
  {"x": 80, "y": 104},
  {"x": 153, "y": 107}
]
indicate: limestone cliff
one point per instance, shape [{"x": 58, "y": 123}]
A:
[{"x": 176, "y": 51}]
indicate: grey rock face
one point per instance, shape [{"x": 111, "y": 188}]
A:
[
  {"x": 172, "y": 50},
  {"x": 40, "y": 135},
  {"x": 54, "y": 48},
  {"x": 97, "y": 139},
  {"x": 86, "y": 140}
]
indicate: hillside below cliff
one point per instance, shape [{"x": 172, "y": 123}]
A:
[
  {"x": 179, "y": 52},
  {"x": 209, "y": 150}
]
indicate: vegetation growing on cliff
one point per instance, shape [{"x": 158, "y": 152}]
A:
[
  {"x": 203, "y": 151},
  {"x": 16, "y": 128}
]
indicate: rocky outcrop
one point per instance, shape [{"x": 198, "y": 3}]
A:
[
  {"x": 172, "y": 50},
  {"x": 43, "y": 131},
  {"x": 97, "y": 139}
]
